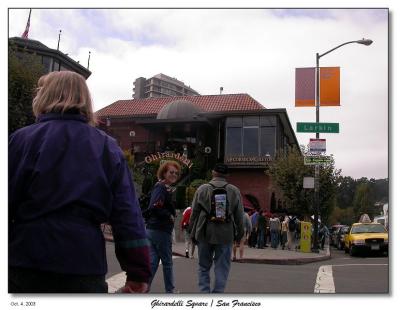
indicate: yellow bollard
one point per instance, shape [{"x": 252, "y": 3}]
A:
[{"x": 305, "y": 237}]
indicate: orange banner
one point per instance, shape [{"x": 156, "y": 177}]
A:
[{"x": 329, "y": 86}]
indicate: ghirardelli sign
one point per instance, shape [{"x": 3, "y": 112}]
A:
[{"x": 169, "y": 155}]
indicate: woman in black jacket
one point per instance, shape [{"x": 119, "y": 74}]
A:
[{"x": 160, "y": 222}]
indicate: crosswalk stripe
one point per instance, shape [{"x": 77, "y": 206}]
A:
[
  {"x": 324, "y": 283},
  {"x": 116, "y": 281}
]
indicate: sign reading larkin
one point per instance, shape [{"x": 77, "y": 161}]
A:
[{"x": 178, "y": 156}]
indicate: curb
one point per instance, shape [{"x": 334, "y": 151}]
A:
[
  {"x": 287, "y": 261},
  {"x": 271, "y": 261}
]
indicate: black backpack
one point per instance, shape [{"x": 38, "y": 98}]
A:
[
  {"x": 219, "y": 212},
  {"x": 292, "y": 224}
]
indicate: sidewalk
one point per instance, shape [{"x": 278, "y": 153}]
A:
[
  {"x": 259, "y": 256},
  {"x": 268, "y": 255}
]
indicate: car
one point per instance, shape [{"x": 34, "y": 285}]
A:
[
  {"x": 339, "y": 240},
  {"x": 332, "y": 233},
  {"x": 366, "y": 237}
]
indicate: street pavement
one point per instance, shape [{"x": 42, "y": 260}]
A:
[
  {"x": 267, "y": 255},
  {"x": 341, "y": 274}
]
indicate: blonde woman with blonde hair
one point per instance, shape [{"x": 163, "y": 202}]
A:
[
  {"x": 63, "y": 92},
  {"x": 66, "y": 178},
  {"x": 160, "y": 222}
]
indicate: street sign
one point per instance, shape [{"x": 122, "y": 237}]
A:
[
  {"x": 317, "y": 160},
  {"x": 317, "y": 145},
  {"x": 318, "y": 127},
  {"x": 308, "y": 182}
]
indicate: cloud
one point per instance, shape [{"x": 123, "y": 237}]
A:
[
  {"x": 252, "y": 51},
  {"x": 303, "y": 13}
]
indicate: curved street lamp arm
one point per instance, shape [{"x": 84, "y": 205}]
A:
[{"x": 319, "y": 56}]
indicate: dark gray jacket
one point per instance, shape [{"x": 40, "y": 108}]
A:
[{"x": 216, "y": 233}]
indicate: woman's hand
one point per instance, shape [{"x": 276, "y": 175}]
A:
[{"x": 135, "y": 287}]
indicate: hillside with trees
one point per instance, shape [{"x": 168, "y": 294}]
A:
[{"x": 342, "y": 198}]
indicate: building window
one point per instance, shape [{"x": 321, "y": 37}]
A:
[
  {"x": 56, "y": 65},
  {"x": 268, "y": 141},
  {"x": 250, "y": 141},
  {"x": 46, "y": 61},
  {"x": 251, "y": 136},
  {"x": 234, "y": 141}
]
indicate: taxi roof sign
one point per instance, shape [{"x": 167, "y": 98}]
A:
[{"x": 364, "y": 218}]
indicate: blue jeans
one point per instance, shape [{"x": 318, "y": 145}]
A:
[
  {"x": 221, "y": 254},
  {"x": 161, "y": 249},
  {"x": 260, "y": 239},
  {"x": 274, "y": 238}
]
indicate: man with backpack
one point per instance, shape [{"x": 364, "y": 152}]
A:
[{"x": 216, "y": 222}]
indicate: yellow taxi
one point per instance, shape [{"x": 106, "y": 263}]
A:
[{"x": 366, "y": 237}]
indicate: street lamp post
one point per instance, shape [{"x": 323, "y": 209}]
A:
[{"x": 316, "y": 170}]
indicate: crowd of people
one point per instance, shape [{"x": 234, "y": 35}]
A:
[{"x": 275, "y": 231}]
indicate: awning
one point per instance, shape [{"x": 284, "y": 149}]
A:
[{"x": 247, "y": 204}]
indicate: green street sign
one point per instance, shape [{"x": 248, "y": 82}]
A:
[
  {"x": 317, "y": 160},
  {"x": 318, "y": 127}
]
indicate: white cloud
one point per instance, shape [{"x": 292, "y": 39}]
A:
[{"x": 250, "y": 51}]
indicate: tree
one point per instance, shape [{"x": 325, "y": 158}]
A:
[
  {"x": 24, "y": 71},
  {"x": 380, "y": 189},
  {"x": 328, "y": 190},
  {"x": 341, "y": 216},
  {"x": 345, "y": 192},
  {"x": 288, "y": 171},
  {"x": 364, "y": 201}
]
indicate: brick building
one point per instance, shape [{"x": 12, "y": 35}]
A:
[{"x": 232, "y": 128}]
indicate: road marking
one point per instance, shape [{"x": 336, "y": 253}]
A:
[
  {"x": 118, "y": 280},
  {"x": 351, "y": 265},
  {"x": 324, "y": 283}
]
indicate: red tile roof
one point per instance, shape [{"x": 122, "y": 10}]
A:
[{"x": 210, "y": 103}]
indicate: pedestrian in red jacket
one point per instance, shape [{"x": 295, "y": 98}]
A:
[{"x": 185, "y": 228}]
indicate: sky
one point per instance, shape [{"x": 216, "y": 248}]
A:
[{"x": 253, "y": 51}]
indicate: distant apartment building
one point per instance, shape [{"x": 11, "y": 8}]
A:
[
  {"x": 161, "y": 85},
  {"x": 51, "y": 59}
]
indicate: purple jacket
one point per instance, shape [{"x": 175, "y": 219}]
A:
[
  {"x": 161, "y": 211},
  {"x": 65, "y": 178}
]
